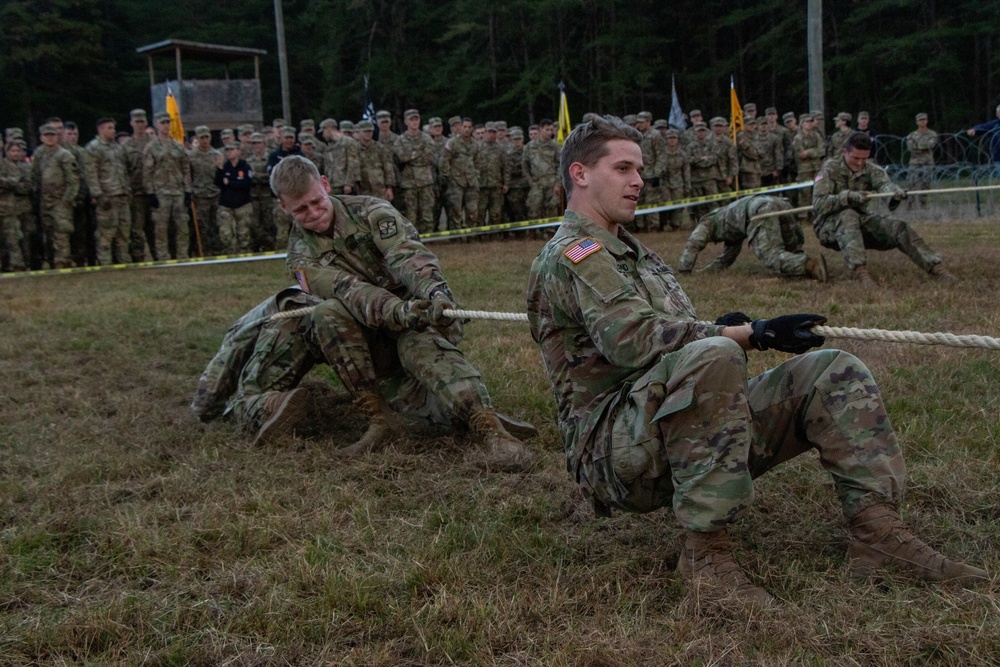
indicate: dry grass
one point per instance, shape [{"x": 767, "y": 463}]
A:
[{"x": 132, "y": 534}]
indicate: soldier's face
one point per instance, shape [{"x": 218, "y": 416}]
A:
[
  {"x": 71, "y": 136},
  {"x": 383, "y": 125},
  {"x": 479, "y": 133},
  {"x": 413, "y": 123},
  {"x": 287, "y": 142},
  {"x": 862, "y": 122},
  {"x": 466, "y": 129},
  {"x": 106, "y": 131},
  {"x": 856, "y": 158},
  {"x": 436, "y": 130},
  {"x": 922, "y": 124},
  {"x": 366, "y": 136},
  {"x": 313, "y": 210},
  {"x": 16, "y": 154},
  {"x": 163, "y": 128},
  {"x": 609, "y": 190},
  {"x": 139, "y": 125},
  {"x": 328, "y": 133},
  {"x": 672, "y": 141},
  {"x": 50, "y": 139},
  {"x": 718, "y": 129},
  {"x": 258, "y": 147},
  {"x": 307, "y": 149},
  {"x": 205, "y": 142}
]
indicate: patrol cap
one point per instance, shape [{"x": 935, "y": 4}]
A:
[
  {"x": 630, "y": 118},
  {"x": 673, "y": 132},
  {"x": 517, "y": 127},
  {"x": 231, "y": 145},
  {"x": 644, "y": 116},
  {"x": 660, "y": 122},
  {"x": 48, "y": 128},
  {"x": 245, "y": 129},
  {"x": 750, "y": 121},
  {"x": 202, "y": 131},
  {"x": 862, "y": 114},
  {"x": 327, "y": 122},
  {"x": 383, "y": 115},
  {"x": 843, "y": 115},
  {"x": 816, "y": 112},
  {"x": 749, "y": 106},
  {"x": 491, "y": 126},
  {"x": 307, "y": 139},
  {"x": 501, "y": 124},
  {"x": 694, "y": 112},
  {"x": 279, "y": 122},
  {"x": 137, "y": 114},
  {"x": 14, "y": 132},
  {"x": 287, "y": 131},
  {"x": 410, "y": 113},
  {"x": 700, "y": 126},
  {"x": 365, "y": 125},
  {"x": 718, "y": 120},
  {"x": 516, "y": 133},
  {"x": 17, "y": 142},
  {"x": 434, "y": 122},
  {"x": 770, "y": 110},
  {"x": 256, "y": 138},
  {"x": 346, "y": 125},
  {"x": 805, "y": 116},
  {"x": 225, "y": 132},
  {"x": 789, "y": 115},
  {"x": 162, "y": 116},
  {"x": 921, "y": 116}
]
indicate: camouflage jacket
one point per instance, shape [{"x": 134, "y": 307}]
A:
[
  {"x": 416, "y": 156},
  {"x": 491, "y": 161},
  {"x": 458, "y": 162},
  {"x": 221, "y": 377},
  {"x": 203, "y": 172},
  {"x": 746, "y": 146},
  {"x": 814, "y": 146},
  {"x": 730, "y": 225},
  {"x": 370, "y": 257},
  {"x": 261, "y": 181},
  {"x": 837, "y": 140},
  {"x": 541, "y": 162},
  {"x": 653, "y": 147},
  {"x": 772, "y": 153},
  {"x": 727, "y": 164},
  {"x": 107, "y": 169},
  {"x": 704, "y": 160},
  {"x": 835, "y": 180},
  {"x": 55, "y": 174},
  {"x": 377, "y": 172},
  {"x": 603, "y": 309},
  {"x": 343, "y": 163},
  {"x": 166, "y": 168},
  {"x": 133, "y": 159},
  {"x": 921, "y": 146},
  {"x": 515, "y": 168},
  {"x": 15, "y": 187},
  {"x": 678, "y": 170}
]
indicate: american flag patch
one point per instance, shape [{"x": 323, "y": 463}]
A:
[
  {"x": 587, "y": 246},
  {"x": 300, "y": 278}
]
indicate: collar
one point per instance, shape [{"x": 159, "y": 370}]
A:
[{"x": 622, "y": 244}]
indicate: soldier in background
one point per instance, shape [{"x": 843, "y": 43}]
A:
[
  {"x": 541, "y": 168},
  {"x": 654, "y": 149},
  {"x": 749, "y": 112},
  {"x": 55, "y": 179},
  {"x": 921, "y": 143},
  {"x": 82, "y": 243},
  {"x": 458, "y": 168},
  {"x": 494, "y": 174},
  {"x": 234, "y": 178},
  {"x": 532, "y": 133},
  {"x": 436, "y": 130},
  {"x": 842, "y": 123},
  {"x": 141, "y": 233},
  {"x": 689, "y": 135},
  {"x": 704, "y": 166},
  {"x": 676, "y": 180},
  {"x": 17, "y": 222},
  {"x": 791, "y": 125},
  {"x": 746, "y": 147},
  {"x": 262, "y": 229},
  {"x": 516, "y": 201},
  {"x": 386, "y": 136},
  {"x": 204, "y": 161},
  {"x": 810, "y": 151},
  {"x": 772, "y": 154},
  {"x": 343, "y": 157},
  {"x": 108, "y": 179},
  {"x": 727, "y": 165},
  {"x": 378, "y": 178},
  {"x": 167, "y": 179},
  {"x": 415, "y": 153},
  {"x": 312, "y": 152}
]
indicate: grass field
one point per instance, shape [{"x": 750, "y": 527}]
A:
[{"x": 132, "y": 534}]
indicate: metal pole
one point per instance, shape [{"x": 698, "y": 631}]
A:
[
  {"x": 279, "y": 25},
  {"x": 814, "y": 35}
]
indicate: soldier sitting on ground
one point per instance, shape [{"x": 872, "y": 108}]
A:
[{"x": 776, "y": 241}]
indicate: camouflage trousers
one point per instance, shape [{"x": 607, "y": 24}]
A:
[
  {"x": 207, "y": 211},
  {"x": 749, "y": 180},
  {"x": 420, "y": 373},
  {"x": 171, "y": 219},
  {"x": 490, "y": 205},
  {"x": 851, "y": 233},
  {"x": 919, "y": 179},
  {"x": 777, "y": 246},
  {"x": 262, "y": 231},
  {"x": 14, "y": 241},
  {"x": 235, "y": 228},
  {"x": 650, "y": 195},
  {"x": 677, "y": 218},
  {"x": 703, "y": 189},
  {"x": 418, "y": 207},
  {"x": 693, "y": 432},
  {"x": 462, "y": 200},
  {"x": 516, "y": 205},
  {"x": 282, "y": 225},
  {"x": 57, "y": 225},
  {"x": 542, "y": 202},
  {"x": 805, "y": 195},
  {"x": 138, "y": 245},
  {"x": 114, "y": 223}
]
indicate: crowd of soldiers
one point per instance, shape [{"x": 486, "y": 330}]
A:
[{"x": 133, "y": 197}]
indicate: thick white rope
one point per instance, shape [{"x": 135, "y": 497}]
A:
[{"x": 882, "y": 335}]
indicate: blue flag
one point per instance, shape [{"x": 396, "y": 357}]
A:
[{"x": 676, "y": 119}]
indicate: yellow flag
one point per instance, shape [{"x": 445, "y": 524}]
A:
[
  {"x": 735, "y": 112},
  {"x": 564, "y": 126},
  {"x": 176, "y": 126}
]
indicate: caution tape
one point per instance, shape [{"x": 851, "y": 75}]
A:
[{"x": 164, "y": 263}]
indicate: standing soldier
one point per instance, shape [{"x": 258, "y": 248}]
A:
[
  {"x": 458, "y": 168},
  {"x": 791, "y": 127},
  {"x": 343, "y": 157},
  {"x": 516, "y": 201},
  {"x": 654, "y": 149},
  {"x": 288, "y": 146},
  {"x": 494, "y": 174},
  {"x": 772, "y": 154},
  {"x": 312, "y": 152},
  {"x": 234, "y": 178},
  {"x": 704, "y": 167},
  {"x": 82, "y": 242},
  {"x": 541, "y": 168},
  {"x": 55, "y": 179},
  {"x": 17, "y": 224},
  {"x": 377, "y": 175},
  {"x": 810, "y": 149},
  {"x": 728, "y": 166},
  {"x": 204, "y": 161},
  {"x": 746, "y": 146},
  {"x": 690, "y": 135},
  {"x": 436, "y": 129},
  {"x": 921, "y": 143},
  {"x": 415, "y": 153},
  {"x": 107, "y": 175},
  {"x": 842, "y": 123},
  {"x": 167, "y": 178},
  {"x": 139, "y": 244},
  {"x": 676, "y": 180},
  {"x": 262, "y": 230}
]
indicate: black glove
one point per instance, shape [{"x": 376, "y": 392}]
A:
[
  {"x": 154, "y": 201},
  {"x": 896, "y": 200},
  {"x": 187, "y": 200},
  {"x": 733, "y": 319},
  {"x": 655, "y": 181},
  {"x": 788, "y": 333}
]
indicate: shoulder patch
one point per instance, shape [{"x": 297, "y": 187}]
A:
[
  {"x": 300, "y": 278},
  {"x": 582, "y": 249}
]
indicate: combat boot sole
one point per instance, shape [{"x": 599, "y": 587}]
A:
[{"x": 290, "y": 413}]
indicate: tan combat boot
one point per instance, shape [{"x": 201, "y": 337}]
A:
[
  {"x": 519, "y": 429},
  {"x": 879, "y": 538},
  {"x": 862, "y": 276},
  {"x": 379, "y": 429},
  {"x": 708, "y": 565},
  {"x": 281, "y": 413},
  {"x": 816, "y": 268},
  {"x": 943, "y": 275},
  {"x": 502, "y": 450}
]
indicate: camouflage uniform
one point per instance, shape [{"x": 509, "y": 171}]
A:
[
  {"x": 806, "y": 167},
  {"x": 541, "y": 168},
  {"x": 746, "y": 146},
  {"x": 439, "y": 181},
  {"x": 415, "y": 155},
  {"x": 205, "y": 195},
  {"x": 772, "y": 155},
  {"x": 107, "y": 174},
  {"x": 343, "y": 160},
  {"x": 458, "y": 169},
  {"x": 654, "y": 165},
  {"x": 377, "y": 172},
  {"x": 851, "y": 229},
  {"x": 16, "y": 219},
  {"x": 55, "y": 177},
  {"x": 138, "y": 245},
  {"x": 494, "y": 172},
  {"x": 676, "y": 183},
  {"x": 84, "y": 224},
  {"x": 370, "y": 259},
  {"x": 236, "y": 216},
  {"x": 655, "y": 408},
  {"x": 776, "y": 242},
  {"x": 837, "y": 140},
  {"x": 704, "y": 167},
  {"x": 167, "y": 174},
  {"x": 516, "y": 200},
  {"x": 921, "y": 166},
  {"x": 263, "y": 230}
]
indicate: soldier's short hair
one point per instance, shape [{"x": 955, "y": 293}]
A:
[
  {"x": 858, "y": 140},
  {"x": 102, "y": 120},
  {"x": 69, "y": 125},
  {"x": 293, "y": 177},
  {"x": 545, "y": 121},
  {"x": 588, "y": 143}
]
